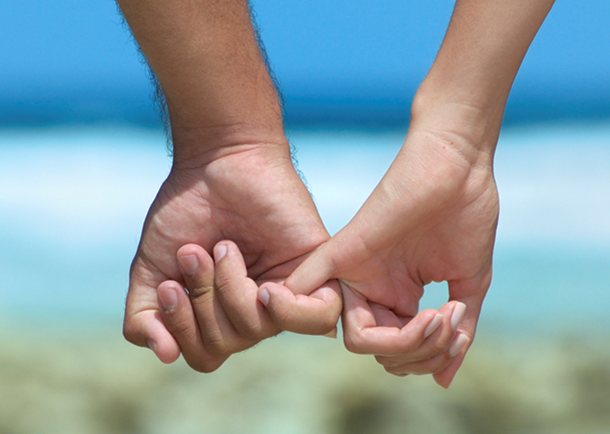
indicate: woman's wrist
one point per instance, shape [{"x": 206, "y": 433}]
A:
[
  {"x": 464, "y": 94},
  {"x": 471, "y": 129}
]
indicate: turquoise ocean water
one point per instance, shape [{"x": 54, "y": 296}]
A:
[{"x": 72, "y": 203}]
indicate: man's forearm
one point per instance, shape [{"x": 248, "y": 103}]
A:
[
  {"x": 477, "y": 64},
  {"x": 206, "y": 58}
]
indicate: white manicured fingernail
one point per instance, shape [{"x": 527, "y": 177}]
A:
[
  {"x": 263, "y": 296},
  {"x": 219, "y": 252},
  {"x": 434, "y": 324},
  {"x": 458, "y": 345},
  {"x": 458, "y": 315}
]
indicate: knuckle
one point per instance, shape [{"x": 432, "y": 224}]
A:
[
  {"x": 409, "y": 347},
  {"x": 216, "y": 346},
  {"x": 219, "y": 346},
  {"x": 440, "y": 345},
  {"x": 203, "y": 366},
  {"x": 131, "y": 334},
  {"x": 437, "y": 364},
  {"x": 441, "y": 366},
  {"x": 390, "y": 363},
  {"x": 251, "y": 331},
  {"x": 224, "y": 282},
  {"x": 180, "y": 329},
  {"x": 318, "y": 329},
  {"x": 353, "y": 344},
  {"x": 429, "y": 366},
  {"x": 271, "y": 330},
  {"x": 200, "y": 291},
  {"x": 282, "y": 316},
  {"x": 444, "y": 341},
  {"x": 384, "y": 361},
  {"x": 396, "y": 371},
  {"x": 328, "y": 323},
  {"x": 225, "y": 349},
  {"x": 264, "y": 332}
]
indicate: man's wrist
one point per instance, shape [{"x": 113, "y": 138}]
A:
[{"x": 197, "y": 147}]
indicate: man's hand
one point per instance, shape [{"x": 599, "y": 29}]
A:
[
  {"x": 232, "y": 177},
  {"x": 249, "y": 194},
  {"x": 222, "y": 316}
]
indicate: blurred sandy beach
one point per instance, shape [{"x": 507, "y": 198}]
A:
[{"x": 92, "y": 382}]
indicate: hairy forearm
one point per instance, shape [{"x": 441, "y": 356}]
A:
[
  {"x": 208, "y": 63},
  {"x": 468, "y": 85}
]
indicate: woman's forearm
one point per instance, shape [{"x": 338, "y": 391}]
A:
[{"x": 468, "y": 85}]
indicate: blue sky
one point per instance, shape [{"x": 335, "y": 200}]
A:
[{"x": 338, "y": 60}]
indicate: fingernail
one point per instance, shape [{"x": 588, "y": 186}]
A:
[
  {"x": 434, "y": 324},
  {"x": 152, "y": 345},
  {"x": 263, "y": 296},
  {"x": 458, "y": 315},
  {"x": 189, "y": 264},
  {"x": 458, "y": 345},
  {"x": 168, "y": 298},
  {"x": 219, "y": 252}
]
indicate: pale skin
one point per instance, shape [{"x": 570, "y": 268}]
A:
[{"x": 432, "y": 217}]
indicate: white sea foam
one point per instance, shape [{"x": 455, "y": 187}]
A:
[
  {"x": 554, "y": 185},
  {"x": 97, "y": 184},
  {"x": 87, "y": 185}
]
